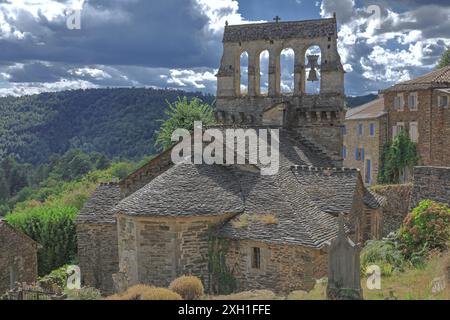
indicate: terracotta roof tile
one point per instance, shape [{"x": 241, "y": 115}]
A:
[
  {"x": 371, "y": 110},
  {"x": 439, "y": 78}
]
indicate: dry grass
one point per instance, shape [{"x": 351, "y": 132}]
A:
[
  {"x": 243, "y": 220},
  {"x": 248, "y": 295},
  {"x": 145, "y": 292},
  {"x": 268, "y": 218},
  {"x": 188, "y": 287},
  {"x": 412, "y": 284}
]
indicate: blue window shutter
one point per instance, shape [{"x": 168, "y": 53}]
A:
[
  {"x": 356, "y": 153},
  {"x": 362, "y": 153}
]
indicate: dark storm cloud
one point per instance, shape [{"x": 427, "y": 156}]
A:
[{"x": 166, "y": 33}]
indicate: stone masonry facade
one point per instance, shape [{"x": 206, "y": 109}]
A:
[
  {"x": 99, "y": 257},
  {"x": 364, "y": 137},
  {"x": 174, "y": 247},
  {"x": 431, "y": 183},
  {"x": 283, "y": 268},
  {"x": 431, "y": 119},
  {"x": 18, "y": 258}
]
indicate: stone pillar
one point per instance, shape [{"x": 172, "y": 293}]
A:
[
  {"x": 299, "y": 72},
  {"x": 253, "y": 83},
  {"x": 274, "y": 72}
]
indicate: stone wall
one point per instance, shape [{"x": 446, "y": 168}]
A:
[
  {"x": 433, "y": 123},
  {"x": 18, "y": 258},
  {"x": 372, "y": 145},
  {"x": 283, "y": 269},
  {"x": 146, "y": 173},
  {"x": 156, "y": 250},
  {"x": 98, "y": 252},
  {"x": 431, "y": 183},
  {"x": 397, "y": 205}
]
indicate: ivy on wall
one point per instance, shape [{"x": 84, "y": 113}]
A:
[
  {"x": 221, "y": 280},
  {"x": 396, "y": 156}
]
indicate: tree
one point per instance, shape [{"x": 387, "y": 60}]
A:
[
  {"x": 397, "y": 155},
  {"x": 445, "y": 59},
  {"x": 181, "y": 115}
]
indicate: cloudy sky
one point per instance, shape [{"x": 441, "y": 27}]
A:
[{"x": 177, "y": 43}]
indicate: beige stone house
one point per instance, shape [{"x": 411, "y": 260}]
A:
[
  {"x": 365, "y": 133},
  {"x": 422, "y": 107},
  {"x": 268, "y": 231},
  {"x": 18, "y": 257}
]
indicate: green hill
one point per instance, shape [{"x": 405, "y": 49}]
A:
[{"x": 117, "y": 122}]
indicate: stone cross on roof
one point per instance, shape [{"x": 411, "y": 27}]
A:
[{"x": 277, "y": 19}]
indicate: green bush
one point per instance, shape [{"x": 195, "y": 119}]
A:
[
  {"x": 188, "y": 287},
  {"x": 426, "y": 228},
  {"x": 382, "y": 253},
  {"x": 58, "y": 277},
  {"x": 54, "y": 229}
]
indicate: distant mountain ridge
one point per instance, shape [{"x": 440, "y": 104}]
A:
[
  {"x": 357, "y": 101},
  {"x": 118, "y": 122}
]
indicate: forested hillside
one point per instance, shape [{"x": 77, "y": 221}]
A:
[{"x": 117, "y": 122}]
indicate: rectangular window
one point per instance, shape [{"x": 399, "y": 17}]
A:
[
  {"x": 394, "y": 131},
  {"x": 344, "y": 152},
  {"x": 368, "y": 171},
  {"x": 414, "y": 131},
  {"x": 412, "y": 101},
  {"x": 372, "y": 129},
  {"x": 360, "y": 129},
  {"x": 359, "y": 153},
  {"x": 399, "y": 102},
  {"x": 443, "y": 101},
  {"x": 400, "y": 127},
  {"x": 256, "y": 258}
]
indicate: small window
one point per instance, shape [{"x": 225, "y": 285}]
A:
[
  {"x": 359, "y": 153},
  {"x": 256, "y": 258},
  {"x": 360, "y": 129},
  {"x": 412, "y": 101},
  {"x": 344, "y": 152},
  {"x": 414, "y": 131},
  {"x": 400, "y": 127},
  {"x": 443, "y": 101},
  {"x": 372, "y": 129},
  {"x": 399, "y": 102}
]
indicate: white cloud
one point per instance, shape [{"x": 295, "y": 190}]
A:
[
  {"x": 28, "y": 88},
  {"x": 190, "y": 78},
  {"x": 90, "y": 72}
]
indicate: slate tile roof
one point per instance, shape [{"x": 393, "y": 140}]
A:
[
  {"x": 304, "y": 196},
  {"x": 372, "y": 110},
  {"x": 436, "y": 79},
  {"x": 186, "y": 190},
  {"x": 98, "y": 208}
]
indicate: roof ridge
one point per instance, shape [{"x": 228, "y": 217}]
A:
[{"x": 322, "y": 169}]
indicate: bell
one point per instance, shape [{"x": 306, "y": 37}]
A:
[
  {"x": 313, "y": 64},
  {"x": 312, "y": 75}
]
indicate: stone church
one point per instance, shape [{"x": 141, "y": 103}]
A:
[{"x": 262, "y": 231}]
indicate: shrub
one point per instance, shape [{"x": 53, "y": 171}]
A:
[
  {"x": 426, "y": 228},
  {"x": 144, "y": 292},
  {"x": 188, "y": 287},
  {"x": 160, "y": 294},
  {"x": 56, "y": 277},
  {"x": 54, "y": 229},
  {"x": 382, "y": 253}
]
